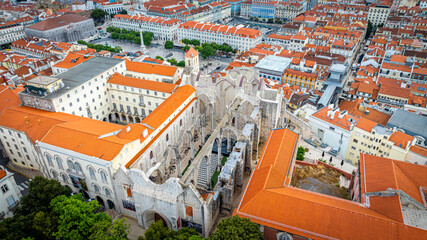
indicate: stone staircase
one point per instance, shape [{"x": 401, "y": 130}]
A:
[{"x": 201, "y": 177}]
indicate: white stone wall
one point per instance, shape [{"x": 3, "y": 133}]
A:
[
  {"x": 19, "y": 148},
  {"x": 130, "y": 98},
  {"x": 154, "y": 77},
  {"x": 331, "y": 136},
  {"x": 61, "y": 163},
  {"x": 9, "y": 194}
]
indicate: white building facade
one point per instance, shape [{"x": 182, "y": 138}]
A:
[
  {"x": 11, "y": 31},
  {"x": 9, "y": 194},
  {"x": 241, "y": 39}
]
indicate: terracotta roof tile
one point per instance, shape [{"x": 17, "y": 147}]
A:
[
  {"x": 119, "y": 79},
  {"x": 149, "y": 68}
]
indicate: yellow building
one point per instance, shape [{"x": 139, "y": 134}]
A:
[
  {"x": 372, "y": 138},
  {"x": 302, "y": 79}
]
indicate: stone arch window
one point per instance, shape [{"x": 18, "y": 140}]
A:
[
  {"x": 92, "y": 173},
  {"x": 103, "y": 177},
  {"x": 54, "y": 175},
  {"x": 59, "y": 162},
  {"x": 49, "y": 159},
  {"x": 71, "y": 165},
  {"x": 78, "y": 167},
  {"x": 151, "y": 155},
  {"x": 64, "y": 178},
  {"x": 180, "y": 122},
  {"x": 167, "y": 137},
  {"x": 107, "y": 192},
  {"x": 96, "y": 188}
]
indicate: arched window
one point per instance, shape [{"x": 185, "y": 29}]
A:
[
  {"x": 92, "y": 173},
  {"x": 78, "y": 167},
  {"x": 104, "y": 177},
  {"x": 59, "y": 162},
  {"x": 167, "y": 137},
  {"x": 151, "y": 155},
  {"x": 180, "y": 122},
  {"x": 54, "y": 175},
  {"x": 49, "y": 160},
  {"x": 96, "y": 188},
  {"x": 71, "y": 165},
  {"x": 107, "y": 192},
  {"x": 64, "y": 178}
]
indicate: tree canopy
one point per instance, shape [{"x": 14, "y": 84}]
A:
[
  {"x": 98, "y": 14},
  {"x": 158, "y": 231},
  {"x": 207, "y": 51},
  {"x": 49, "y": 212},
  {"x": 169, "y": 45},
  {"x": 236, "y": 228}
]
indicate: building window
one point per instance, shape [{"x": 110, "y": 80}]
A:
[
  {"x": 151, "y": 155},
  {"x": 167, "y": 137},
  {"x": 92, "y": 173},
  {"x": 59, "y": 162},
  {"x": 54, "y": 175},
  {"x": 4, "y": 188},
  {"x": 78, "y": 168},
  {"x": 11, "y": 201},
  {"x": 49, "y": 160},
  {"x": 103, "y": 177},
  {"x": 71, "y": 165},
  {"x": 64, "y": 178},
  {"x": 107, "y": 192},
  {"x": 96, "y": 188}
]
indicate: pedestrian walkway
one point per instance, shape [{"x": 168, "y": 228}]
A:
[
  {"x": 24, "y": 185},
  {"x": 316, "y": 154},
  {"x": 24, "y": 171}
]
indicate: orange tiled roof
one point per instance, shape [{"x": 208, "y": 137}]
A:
[
  {"x": 72, "y": 60},
  {"x": 2, "y": 174},
  {"x": 418, "y": 150},
  {"x": 352, "y": 107},
  {"x": 379, "y": 174},
  {"x": 392, "y": 87},
  {"x": 191, "y": 53},
  {"x": 268, "y": 200},
  {"x": 345, "y": 122},
  {"x": 366, "y": 124},
  {"x": 149, "y": 68},
  {"x": 119, "y": 79},
  {"x": 9, "y": 97},
  {"x": 401, "y": 139}
]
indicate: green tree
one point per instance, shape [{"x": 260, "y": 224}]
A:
[
  {"x": 147, "y": 38},
  {"x": 186, "y": 41},
  {"x": 115, "y": 35},
  {"x": 278, "y": 21},
  {"x": 198, "y": 48},
  {"x": 181, "y": 64},
  {"x": 256, "y": 19},
  {"x": 122, "y": 36},
  {"x": 137, "y": 40},
  {"x": 79, "y": 220},
  {"x": 172, "y": 61},
  {"x": 158, "y": 231},
  {"x": 124, "y": 30},
  {"x": 160, "y": 58},
  {"x": 251, "y": 18},
  {"x": 130, "y": 37},
  {"x": 368, "y": 30},
  {"x": 207, "y": 51},
  {"x": 81, "y": 42},
  {"x": 270, "y": 20},
  {"x": 111, "y": 29},
  {"x": 123, "y": 12},
  {"x": 186, "y": 48},
  {"x": 236, "y": 228},
  {"x": 33, "y": 218},
  {"x": 195, "y": 42},
  {"x": 98, "y": 14},
  {"x": 118, "y": 30},
  {"x": 300, "y": 153},
  {"x": 169, "y": 45},
  {"x": 118, "y": 49}
]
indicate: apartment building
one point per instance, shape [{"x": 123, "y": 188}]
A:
[
  {"x": 241, "y": 39},
  {"x": 300, "y": 78},
  {"x": 11, "y": 31},
  {"x": 79, "y": 91},
  {"x": 378, "y": 13},
  {"x": 372, "y": 138},
  {"x": 153, "y": 72},
  {"x": 162, "y": 28},
  {"x": 9, "y": 194},
  {"x": 333, "y": 127},
  {"x": 110, "y": 7},
  {"x": 288, "y": 10},
  {"x": 133, "y": 98}
]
